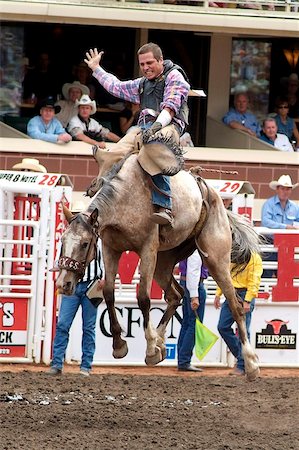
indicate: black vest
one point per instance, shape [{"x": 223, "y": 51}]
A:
[{"x": 151, "y": 91}]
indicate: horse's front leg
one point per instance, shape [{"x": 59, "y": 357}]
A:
[
  {"x": 111, "y": 259},
  {"x": 147, "y": 266}
]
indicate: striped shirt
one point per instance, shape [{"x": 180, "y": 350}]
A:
[{"x": 175, "y": 92}]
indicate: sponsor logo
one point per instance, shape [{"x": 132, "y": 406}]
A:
[
  {"x": 170, "y": 351},
  {"x": 276, "y": 335}
]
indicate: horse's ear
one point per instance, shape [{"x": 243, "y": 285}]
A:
[
  {"x": 93, "y": 216},
  {"x": 68, "y": 214}
]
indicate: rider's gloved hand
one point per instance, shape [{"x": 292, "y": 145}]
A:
[{"x": 150, "y": 132}]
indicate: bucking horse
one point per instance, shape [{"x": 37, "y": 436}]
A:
[{"x": 120, "y": 215}]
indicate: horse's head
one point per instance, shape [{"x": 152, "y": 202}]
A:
[{"x": 78, "y": 249}]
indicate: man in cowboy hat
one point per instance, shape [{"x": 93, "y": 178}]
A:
[
  {"x": 162, "y": 93},
  {"x": 71, "y": 92},
  {"x": 279, "y": 211},
  {"x": 30, "y": 165},
  {"x": 83, "y": 128},
  {"x": 45, "y": 126}
]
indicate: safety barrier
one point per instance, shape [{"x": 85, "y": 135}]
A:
[{"x": 31, "y": 225}]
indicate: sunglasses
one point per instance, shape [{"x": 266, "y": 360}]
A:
[{"x": 283, "y": 107}]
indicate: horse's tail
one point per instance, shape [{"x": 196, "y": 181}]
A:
[{"x": 245, "y": 241}]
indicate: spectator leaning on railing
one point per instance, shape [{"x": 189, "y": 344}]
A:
[
  {"x": 240, "y": 118},
  {"x": 45, "y": 126},
  {"x": 83, "y": 128},
  {"x": 269, "y": 134},
  {"x": 285, "y": 124}
]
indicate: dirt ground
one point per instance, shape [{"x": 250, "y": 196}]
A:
[{"x": 147, "y": 408}]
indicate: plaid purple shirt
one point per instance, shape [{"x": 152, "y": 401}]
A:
[{"x": 175, "y": 92}]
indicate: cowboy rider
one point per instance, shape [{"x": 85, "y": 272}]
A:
[{"x": 162, "y": 94}]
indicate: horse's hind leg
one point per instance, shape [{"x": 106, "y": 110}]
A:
[
  {"x": 215, "y": 241},
  {"x": 111, "y": 258},
  {"x": 173, "y": 292}
]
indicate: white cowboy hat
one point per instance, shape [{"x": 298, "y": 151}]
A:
[
  {"x": 78, "y": 206},
  {"x": 30, "y": 164},
  {"x": 285, "y": 181},
  {"x": 86, "y": 101},
  {"x": 75, "y": 84}
]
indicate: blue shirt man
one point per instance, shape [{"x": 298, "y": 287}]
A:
[
  {"x": 45, "y": 126},
  {"x": 239, "y": 118},
  {"x": 279, "y": 211}
]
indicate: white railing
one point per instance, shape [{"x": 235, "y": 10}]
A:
[{"x": 250, "y": 7}]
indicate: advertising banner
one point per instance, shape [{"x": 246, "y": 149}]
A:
[
  {"x": 131, "y": 321},
  {"x": 13, "y": 327}
]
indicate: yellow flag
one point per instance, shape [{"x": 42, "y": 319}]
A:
[{"x": 204, "y": 339}]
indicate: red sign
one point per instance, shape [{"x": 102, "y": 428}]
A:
[
  {"x": 13, "y": 327},
  {"x": 127, "y": 267},
  {"x": 288, "y": 268}
]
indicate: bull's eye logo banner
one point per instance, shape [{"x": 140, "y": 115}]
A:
[{"x": 276, "y": 335}]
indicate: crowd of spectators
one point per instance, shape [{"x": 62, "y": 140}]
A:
[{"x": 279, "y": 128}]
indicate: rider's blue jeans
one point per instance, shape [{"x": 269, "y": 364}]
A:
[
  {"x": 186, "y": 339},
  {"x": 225, "y": 323},
  {"x": 163, "y": 183},
  {"x": 68, "y": 309}
]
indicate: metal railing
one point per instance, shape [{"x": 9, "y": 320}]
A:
[{"x": 251, "y": 7}]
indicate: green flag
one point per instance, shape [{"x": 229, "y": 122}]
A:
[{"x": 204, "y": 339}]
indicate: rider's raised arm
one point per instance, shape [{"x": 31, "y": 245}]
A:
[{"x": 125, "y": 90}]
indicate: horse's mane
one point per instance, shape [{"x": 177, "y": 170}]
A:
[{"x": 108, "y": 190}]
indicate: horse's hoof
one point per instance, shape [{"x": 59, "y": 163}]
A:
[
  {"x": 120, "y": 352},
  {"x": 152, "y": 360},
  {"x": 253, "y": 375},
  {"x": 163, "y": 353}
]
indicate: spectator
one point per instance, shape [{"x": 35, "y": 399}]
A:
[
  {"x": 293, "y": 95},
  {"x": 279, "y": 211},
  {"x": 192, "y": 274},
  {"x": 128, "y": 117},
  {"x": 269, "y": 134},
  {"x": 285, "y": 124},
  {"x": 186, "y": 140},
  {"x": 82, "y": 73},
  {"x": 239, "y": 118},
  {"x": 71, "y": 92},
  {"x": 83, "y": 128},
  {"x": 30, "y": 165},
  {"x": 40, "y": 81},
  {"x": 246, "y": 282},
  {"x": 45, "y": 126},
  {"x": 67, "y": 312}
]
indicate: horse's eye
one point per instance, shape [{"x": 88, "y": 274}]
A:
[{"x": 85, "y": 245}]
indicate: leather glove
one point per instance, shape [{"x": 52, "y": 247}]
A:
[{"x": 150, "y": 132}]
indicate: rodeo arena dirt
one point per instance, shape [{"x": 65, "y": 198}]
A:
[
  {"x": 147, "y": 408},
  {"x": 134, "y": 406}
]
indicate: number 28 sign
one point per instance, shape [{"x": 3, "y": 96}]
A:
[{"x": 49, "y": 180}]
